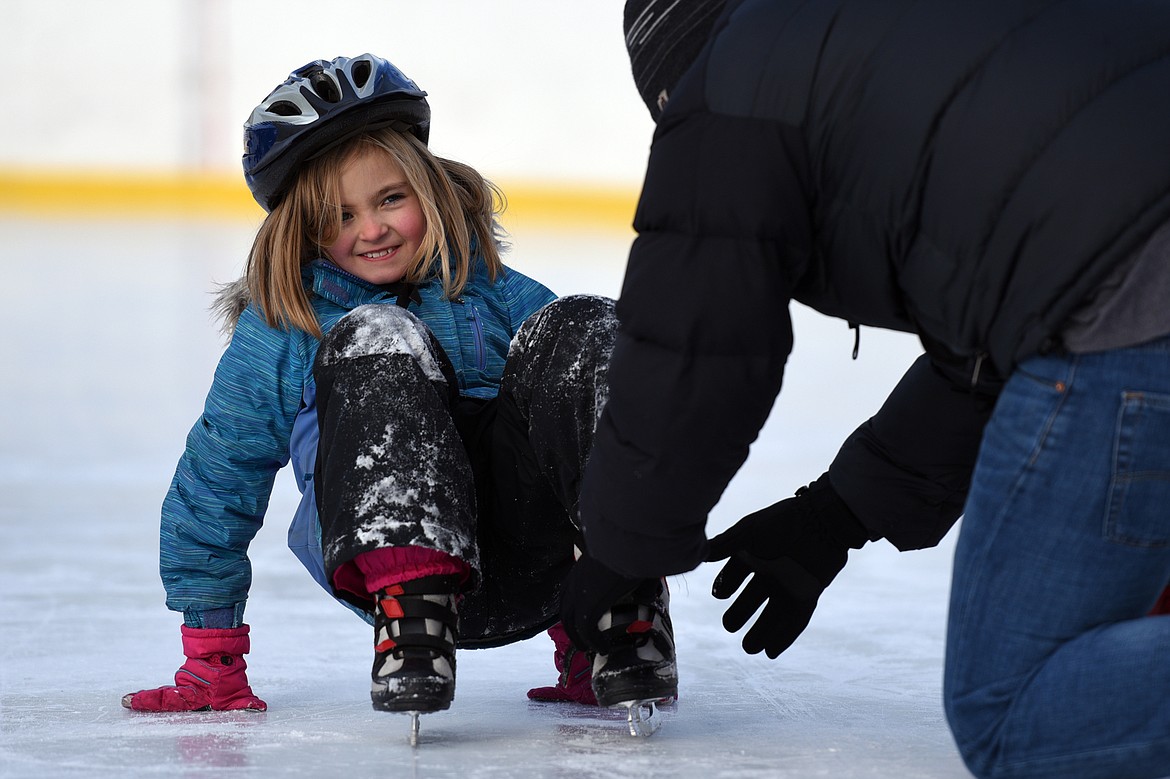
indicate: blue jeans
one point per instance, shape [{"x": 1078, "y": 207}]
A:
[{"x": 1052, "y": 667}]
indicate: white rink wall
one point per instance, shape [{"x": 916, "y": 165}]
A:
[{"x": 521, "y": 89}]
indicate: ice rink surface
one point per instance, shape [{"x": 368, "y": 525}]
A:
[{"x": 108, "y": 352}]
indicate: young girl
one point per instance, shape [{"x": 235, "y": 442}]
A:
[{"x": 437, "y": 408}]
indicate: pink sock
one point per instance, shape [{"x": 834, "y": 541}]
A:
[{"x": 372, "y": 571}]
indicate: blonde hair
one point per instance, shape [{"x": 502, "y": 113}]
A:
[{"x": 460, "y": 207}]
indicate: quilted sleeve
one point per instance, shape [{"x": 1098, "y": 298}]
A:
[{"x": 220, "y": 491}]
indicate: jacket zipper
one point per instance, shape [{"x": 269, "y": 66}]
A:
[
  {"x": 979, "y": 356},
  {"x": 477, "y": 333}
]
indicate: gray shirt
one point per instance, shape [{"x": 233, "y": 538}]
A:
[{"x": 1131, "y": 307}]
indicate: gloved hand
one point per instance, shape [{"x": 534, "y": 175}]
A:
[
  {"x": 589, "y": 591},
  {"x": 214, "y": 676},
  {"x": 791, "y": 550},
  {"x": 575, "y": 684}
]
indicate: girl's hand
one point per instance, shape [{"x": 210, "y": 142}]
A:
[{"x": 213, "y": 678}]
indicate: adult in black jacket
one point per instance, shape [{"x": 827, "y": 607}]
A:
[{"x": 994, "y": 177}]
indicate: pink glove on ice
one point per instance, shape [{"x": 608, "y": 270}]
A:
[
  {"x": 576, "y": 669},
  {"x": 214, "y": 676}
]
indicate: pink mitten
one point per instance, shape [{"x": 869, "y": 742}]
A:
[
  {"x": 576, "y": 668},
  {"x": 214, "y": 676}
]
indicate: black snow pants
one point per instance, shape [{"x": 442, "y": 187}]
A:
[{"x": 404, "y": 460}]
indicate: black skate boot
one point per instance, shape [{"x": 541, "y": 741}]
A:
[
  {"x": 640, "y": 671},
  {"x": 415, "y": 626}
]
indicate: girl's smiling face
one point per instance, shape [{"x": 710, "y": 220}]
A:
[{"x": 382, "y": 223}]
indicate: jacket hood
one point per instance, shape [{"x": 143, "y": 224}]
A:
[{"x": 230, "y": 301}]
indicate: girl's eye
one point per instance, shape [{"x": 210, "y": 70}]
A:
[
  {"x": 346, "y": 216},
  {"x": 392, "y": 199}
]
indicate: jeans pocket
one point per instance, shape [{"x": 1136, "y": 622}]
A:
[{"x": 1138, "y": 513}]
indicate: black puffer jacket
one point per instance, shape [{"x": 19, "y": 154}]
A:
[{"x": 968, "y": 171}]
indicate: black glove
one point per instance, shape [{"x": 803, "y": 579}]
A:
[
  {"x": 588, "y": 592},
  {"x": 792, "y": 550}
]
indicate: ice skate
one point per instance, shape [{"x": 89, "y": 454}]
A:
[
  {"x": 415, "y": 626},
  {"x": 640, "y": 671}
]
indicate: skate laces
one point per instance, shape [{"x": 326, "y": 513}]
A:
[
  {"x": 640, "y": 618},
  {"x": 415, "y": 629},
  {"x": 639, "y": 665},
  {"x": 417, "y": 618}
]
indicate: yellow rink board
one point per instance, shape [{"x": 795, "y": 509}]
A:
[{"x": 138, "y": 195}]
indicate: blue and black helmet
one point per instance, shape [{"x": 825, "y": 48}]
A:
[{"x": 319, "y": 105}]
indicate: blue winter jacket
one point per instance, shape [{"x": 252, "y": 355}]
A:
[{"x": 261, "y": 413}]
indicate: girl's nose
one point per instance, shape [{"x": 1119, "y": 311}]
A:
[{"x": 371, "y": 228}]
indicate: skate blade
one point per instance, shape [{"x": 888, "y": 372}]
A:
[
  {"x": 642, "y": 716},
  {"x": 414, "y": 715},
  {"x": 413, "y": 727}
]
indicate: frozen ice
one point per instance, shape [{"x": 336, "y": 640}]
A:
[{"x": 108, "y": 352}]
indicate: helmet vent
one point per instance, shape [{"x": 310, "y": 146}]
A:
[
  {"x": 325, "y": 87},
  {"x": 320, "y": 105},
  {"x": 284, "y": 108},
  {"x": 361, "y": 73}
]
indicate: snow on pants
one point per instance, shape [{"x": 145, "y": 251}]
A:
[{"x": 404, "y": 460}]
